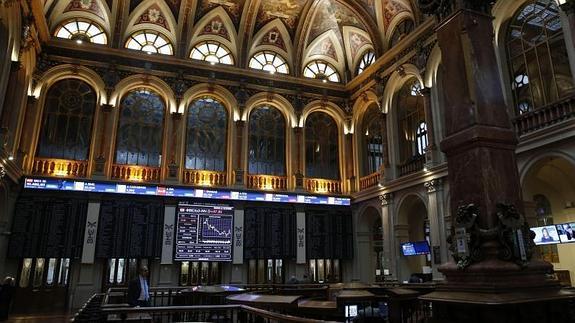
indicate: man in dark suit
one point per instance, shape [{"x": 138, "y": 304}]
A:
[{"x": 138, "y": 289}]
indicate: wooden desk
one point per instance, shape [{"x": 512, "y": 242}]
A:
[
  {"x": 140, "y": 317},
  {"x": 317, "y": 305},
  {"x": 354, "y": 296},
  {"x": 257, "y": 300}
]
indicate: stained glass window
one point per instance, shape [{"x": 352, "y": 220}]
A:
[
  {"x": 82, "y": 30},
  {"x": 322, "y": 71},
  {"x": 267, "y": 142},
  {"x": 373, "y": 145},
  {"x": 151, "y": 42},
  {"x": 206, "y": 136},
  {"x": 537, "y": 56},
  {"x": 367, "y": 59},
  {"x": 139, "y": 137},
  {"x": 213, "y": 52},
  {"x": 67, "y": 121},
  {"x": 270, "y": 62},
  {"x": 321, "y": 147}
]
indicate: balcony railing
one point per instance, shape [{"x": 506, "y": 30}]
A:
[
  {"x": 545, "y": 116},
  {"x": 322, "y": 186},
  {"x": 136, "y": 173},
  {"x": 60, "y": 167},
  {"x": 369, "y": 181},
  {"x": 204, "y": 178},
  {"x": 414, "y": 165},
  {"x": 267, "y": 182}
]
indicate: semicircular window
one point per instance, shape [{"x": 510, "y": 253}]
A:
[
  {"x": 267, "y": 142},
  {"x": 270, "y": 62},
  {"x": 321, "y": 147},
  {"x": 367, "y": 59},
  {"x": 151, "y": 42},
  {"x": 401, "y": 30},
  {"x": 67, "y": 121},
  {"x": 212, "y": 52},
  {"x": 139, "y": 137},
  {"x": 82, "y": 30},
  {"x": 206, "y": 135},
  {"x": 322, "y": 71}
]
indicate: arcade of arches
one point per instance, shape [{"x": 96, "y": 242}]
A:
[{"x": 336, "y": 100}]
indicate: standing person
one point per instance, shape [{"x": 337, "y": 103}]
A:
[
  {"x": 6, "y": 295},
  {"x": 138, "y": 289}
]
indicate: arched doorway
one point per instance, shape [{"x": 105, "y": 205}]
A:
[
  {"x": 370, "y": 245},
  {"x": 549, "y": 191},
  {"x": 413, "y": 227}
]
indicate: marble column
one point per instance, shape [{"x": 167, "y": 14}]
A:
[
  {"x": 435, "y": 214},
  {"x": 239, "y": 149},
  {"x": 493, "y": 244},
  {"x": 390, "y": 253},
  {"x": 298, "y": 132}
]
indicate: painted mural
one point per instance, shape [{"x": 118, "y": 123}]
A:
[
  {"x": 274, "y": 38},
  {"x": 232, "y": 7},
  {"x": 392, "y": 8},
  {"x": 153, "y": 15},
  {"x": 288, "y": 11},
  {"x": 85, "y": 5},
  {"x": 216, "y": 27},
  {"x": 333, "y": 15},
  {"x": 325, "y": 48}
]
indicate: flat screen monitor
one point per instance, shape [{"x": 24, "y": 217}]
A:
[
  {"x": 566, "y": 232},
  {"x": 546, "y": 235},
  {"x": 415, "y": 248},
  {"x": 204, "y": 232}
]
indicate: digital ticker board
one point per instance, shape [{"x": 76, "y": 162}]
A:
[{"x": 204, "y": 232}]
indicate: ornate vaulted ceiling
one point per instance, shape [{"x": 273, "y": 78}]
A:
[{"x": 339, "y": 32}]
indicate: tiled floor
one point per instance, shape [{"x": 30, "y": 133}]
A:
[{"x": 49, "y": 318}]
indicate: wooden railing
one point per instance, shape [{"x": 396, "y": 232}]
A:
[
  {"x": 545, "y": 116},
  {"x": 136, "y": 173},
  {"x": 413, "y": 165},
  {"x": 369, "y": 181},
  {"x": 204, "y": 178},
  {"x": 267, "y": 182},
  {"x": 59, "y": 167},
  {"x": 322, "y": 186}
]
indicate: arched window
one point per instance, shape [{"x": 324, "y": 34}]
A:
[
  {"x": 421, "y": 135},
  {"x": 270, "y": 62},
  {"x": 151, "y": 42},
  {"x": 267, "y": 142},
  {"x": 213, "y": 52},
  {"x": 321, "y": 147},
  {"x": 67, "y": 121},
  {"x": 367, "y": 59},
  {"x": 322, "y": 71},
  {"x": 373, "y": 136},
  {"x": 139, "y": 137},
  {"x": 82, "y": 30},
  {"x": 401, "y": 30},
  {"x": 411, "y": 117},
  {"x": 537, "y": 56},
  {"x": 206, "y": 136}
]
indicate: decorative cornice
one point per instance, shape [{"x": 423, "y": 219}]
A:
[{"x": 386, "y": 199}]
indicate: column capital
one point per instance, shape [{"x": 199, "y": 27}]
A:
[
  {"x": 176, "y": 116},
  {"x": 433, "y": 185},
  {"x": 106, "y": 108},
  {"x": 386, "y": 199},
  {"x": 2, "y": 172}
]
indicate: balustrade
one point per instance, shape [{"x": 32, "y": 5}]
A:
[
  {"x": 369, "y": 181},
  {"x": 322, "y": 186},
  {"x": 136, "y": 173},
  {"x": 545, "y": 116},
  {"x": 204, "y": 178},
  {"x": 60, "y": 167},
  {"x": 267, "y": 182},
  {"x": 413, "y": 165}
]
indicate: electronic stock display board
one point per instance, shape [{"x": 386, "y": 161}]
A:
[
  {"x": 178, "y": 191},
  {"x": 204, "y": 232}
]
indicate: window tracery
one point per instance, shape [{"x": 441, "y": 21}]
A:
[
  {"x": 151, "y": 42},
  {"x": 212, "y": 52}
]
